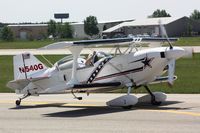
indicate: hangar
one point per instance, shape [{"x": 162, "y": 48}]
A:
[
  {"x": 79, "y": 27},
  {"x": 29, "y": 31},
  {"x": 183, "y": 26}
]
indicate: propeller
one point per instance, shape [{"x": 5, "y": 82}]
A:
[
  {"x": 171, "y": 70},
  {"x": 171, "y": 63},
  {"x": 164, "y": 34}
]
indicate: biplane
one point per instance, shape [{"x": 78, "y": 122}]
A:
[{"x": 101, "y": 72}]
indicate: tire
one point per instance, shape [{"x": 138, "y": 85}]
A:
[
  {"x": 153, "y": 102},
  {"x": 18, "y": 102}
]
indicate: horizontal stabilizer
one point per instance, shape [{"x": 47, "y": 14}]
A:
[{"x": 22, "y": 83}]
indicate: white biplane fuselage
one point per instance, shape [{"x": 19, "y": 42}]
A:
[{"x": 135, "y": 68}]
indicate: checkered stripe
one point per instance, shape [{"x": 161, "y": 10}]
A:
[{"x": 97, "y": 70}]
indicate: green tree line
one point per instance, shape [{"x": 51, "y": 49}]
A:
[{"x": 59, "y": 30}]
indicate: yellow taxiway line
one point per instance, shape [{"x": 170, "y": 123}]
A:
[{"x": 177, "y": 112}]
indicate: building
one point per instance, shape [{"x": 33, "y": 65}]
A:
[
  {"x": 29, "y": 31},
  {"x": 79, "y": 28},
  {"x": 39, "y": 31},
  {"x": 174, "y": 26}
]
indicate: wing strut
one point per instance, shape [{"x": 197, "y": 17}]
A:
[{"x": 75, "y": 50}]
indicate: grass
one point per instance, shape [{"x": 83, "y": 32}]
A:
[
  {"x": 6, "y": 72},
  {"x": 187, "y": 70},
  {"x": 18, "y": 44},
  {"x": 24, "y": 44},
  {"x": 188, "y": 41}
]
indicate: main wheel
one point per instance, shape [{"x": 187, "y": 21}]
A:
[
  {"x": 154, "y": 102},
  {"x": 18, "y": 102}
]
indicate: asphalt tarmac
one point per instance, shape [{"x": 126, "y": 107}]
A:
[{"x": 63, "y": 114}]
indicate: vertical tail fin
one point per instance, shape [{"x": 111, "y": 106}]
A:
[{"x": 26, "y": 65}]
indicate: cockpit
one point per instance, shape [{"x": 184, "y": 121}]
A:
[{"x": 67, "y": 62}]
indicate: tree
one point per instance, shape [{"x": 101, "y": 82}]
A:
[
  {"x": 60, "y": 30},
  {"x": 52, "y": 28},
  {"x": 189, "y": 29},
  {"x": 1, "y": 25},
  {"x": 7, "y": 34},
  {"x": 64, "y": 30},
  {"x": 159, "y": 13},
  {"x": 90, "y": 26},
  {"x": 195, "y": 15},
  {"x": 67, "y": 30}
]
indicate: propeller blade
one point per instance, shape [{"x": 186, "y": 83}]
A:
[
  {"x": 171, "y": 70},
  {"x": 164, "y": 34}
]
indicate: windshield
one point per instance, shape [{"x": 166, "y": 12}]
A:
[
  {"x": 102, "y": 54},
  {"x": 70, "y": 58},
  {"x": 65, "y": 59}
]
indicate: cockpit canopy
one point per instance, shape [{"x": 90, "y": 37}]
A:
[{"x": 67, "y": 62}]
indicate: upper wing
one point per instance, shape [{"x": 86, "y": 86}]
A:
[
  {"x": 87, "y": 43},
  {"x": 105, "y": 42}
]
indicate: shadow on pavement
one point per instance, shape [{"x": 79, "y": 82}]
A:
[
  {"x": 82, "y": 111},
  {"x": 86, "y": 111},
  {"x": 91, "y": 111}
]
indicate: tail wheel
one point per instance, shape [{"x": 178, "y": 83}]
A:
[{"x": 18, "y": 102}]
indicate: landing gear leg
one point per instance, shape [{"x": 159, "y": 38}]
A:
[
  {"x": 128, "y": 93},
  {"x": 153, "y": 98},
  {"x": 129, "y": 90},
  {"x": 79, "y": 98},
  {"x": 18, "y": 102}
]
